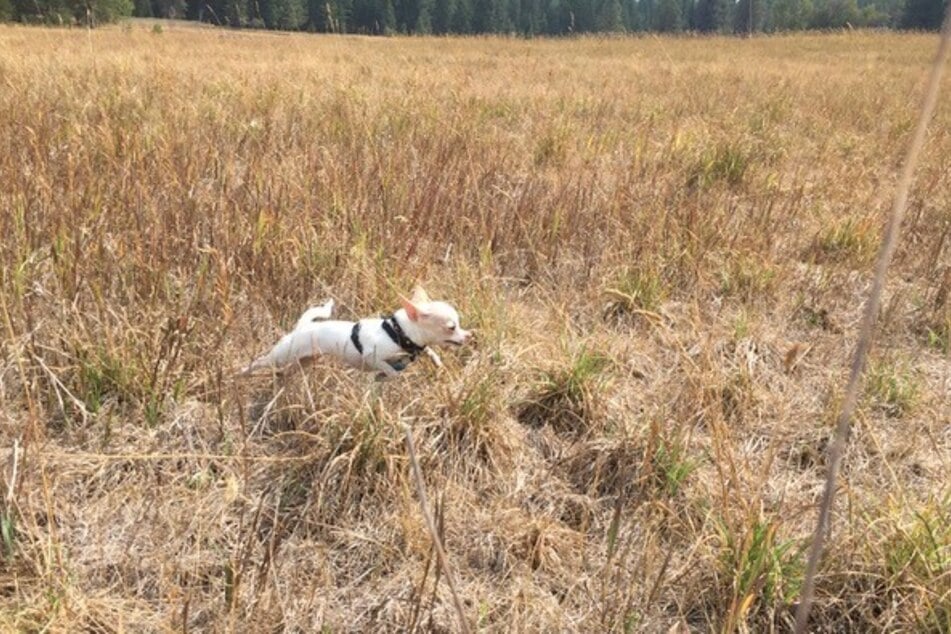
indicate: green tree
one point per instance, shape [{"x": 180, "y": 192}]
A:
[
  {"x": 632, "y": 16},
  {"x": 89, "y": 12},
  {"x": 485, "y": 16},
  {"x": 388, "y": 17},
  {"x": 688, "y": 12},
  {"x": 362, "y": 17},
  {"x": 7, "y": 12},
  {"x": 233, "y": 12},
  {"x": 749, "y": 16},
  {"x": 667, "y": 18},
  {"x": 317, "y": 16},
  {"x": 375, "y": 17},
  {"x": 790, "y": 15},
  {"x": 442, "y": 16},
  {"x": 610, "y": 17},
  {"x": 712, "y": 16},
  {"x": 834, "y": 14},
  {"x": 923, "y": 14},
  {"x": 335, "y": 15},
  {"x": 413, "y": 15},
  {"x": 424, "y": 21},
  {"x": 531, "y": 17},
  {"x": 57, "y": 12},
  {"x": 170, "y": 8},
  {"x": 284, "y": 14},
  {"x": 461, "y": 20},
  {"x": 648, "y": 11},
  {"x": 142, "y": 9},
  {"x": 112, "y": 10},
  {"x": 887, "y": 13},
  {"x": 558, "y": 18}
]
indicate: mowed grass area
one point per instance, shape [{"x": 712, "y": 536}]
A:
[{"x": 663, "y": 245}]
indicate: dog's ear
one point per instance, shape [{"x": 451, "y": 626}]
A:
[
  {"x": 420, "y": 296},
  {"x": 411, "y": 310}
]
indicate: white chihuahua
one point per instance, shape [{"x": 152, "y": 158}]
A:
[{"x": 386, "y": 344}]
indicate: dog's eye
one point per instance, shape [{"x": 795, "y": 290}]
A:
[{"x": 450, "y": 325}]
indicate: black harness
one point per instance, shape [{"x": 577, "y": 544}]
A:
[
  {"x": 355, "y": 337},
  {"x": 393, "y": 329}
]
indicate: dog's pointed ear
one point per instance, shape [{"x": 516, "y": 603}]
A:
[
  {"x": 420, "y": 296},
  {"x": 411, "y": 310}
]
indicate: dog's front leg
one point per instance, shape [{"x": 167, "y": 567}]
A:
[
  {"x": 387, "y": 371},
  {"x": 433, "y": 356}
]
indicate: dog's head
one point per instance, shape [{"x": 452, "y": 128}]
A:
[{"x": 436, "y": 323}]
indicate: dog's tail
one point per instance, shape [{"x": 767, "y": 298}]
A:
[
  {"x": 261, "y": 362},
  {"x": 278, "y": 355},
  {"x": 316, "y": 313}
]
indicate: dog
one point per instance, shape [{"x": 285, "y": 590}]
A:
[{"x": 388, "y": 344}]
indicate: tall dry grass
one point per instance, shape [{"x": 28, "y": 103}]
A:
[{"x": 661, "y": 242}]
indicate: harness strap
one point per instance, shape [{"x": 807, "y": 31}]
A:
[{"x": 355, "y": 337}]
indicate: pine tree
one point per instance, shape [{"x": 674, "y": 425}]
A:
[
  {"x": 140, "y": 9},
  {"x": 667, "y": 18},
  {"x": 284, "y": 14},
  {"x": 388, "y": 17},
  {"x": 363, "y": 17},
  {"x": 648, "y": 11},
  {"x": 632, "y": 16},
  {"x": 316, "y": 16},
  {"x": 482, "y": 16},
  {"x": 442, "y": 16},
  {"x": 424, "y": 23},
  {"x": 341, "y": 10},
  {"x": 582, "y": 13},
  {"x": 192, "y": 9},
  {"x": 400, "y": 9},
  {"x": 112, "y": 10},
  {"x": 557, "y": 18},
  {"x": 749, "y": 16},
  {"x": 834, "y": 14},
  {"x": 712, "y": 16},
  {"x": 232, "y": 12},
  {"x": 66, "y": 11},
  {"x": 169, "y": 8},
  {"x": 923, "y": 14},
  {"x": 688, "y": 11},
  {"x": 512, "y": 11},
  {"x": 461, "y": 20},
  {"x": 610, "y": 17},
  {"x": 531, "y": 17},
  {"x": 371, "y": 16},
  {"x": 790, "y": 15}
]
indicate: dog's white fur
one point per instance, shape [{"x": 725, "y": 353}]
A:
[{"x": 425, "y": 322}]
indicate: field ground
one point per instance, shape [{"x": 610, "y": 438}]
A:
[{"x": 663, "y": 245}]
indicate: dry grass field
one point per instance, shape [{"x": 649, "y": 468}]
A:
[{"x": 663, "y": 245}]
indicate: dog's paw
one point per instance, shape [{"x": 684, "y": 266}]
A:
[{"x": 398, "y": 364}]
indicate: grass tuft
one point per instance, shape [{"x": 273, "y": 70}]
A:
[
  {"x": 893, "y": 387},
  {"x": 845, "y": 240},
  {"x": 726, "y": 162},
  {"x": 762, "y": 569},
  {"x": 568, "y": 399}
]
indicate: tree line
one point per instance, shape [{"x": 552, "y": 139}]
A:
[{"x": 520, "y": 17}]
